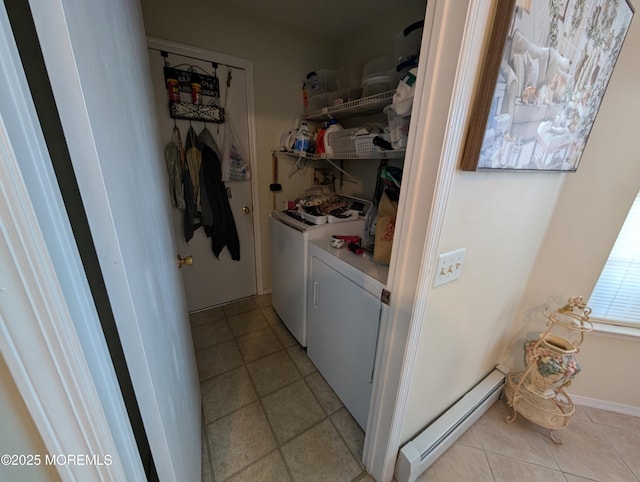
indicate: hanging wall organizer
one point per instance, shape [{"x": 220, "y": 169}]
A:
[{"x": 201, "y": 88}]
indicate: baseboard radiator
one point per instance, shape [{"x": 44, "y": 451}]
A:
[{"x": 418, "y": 454}]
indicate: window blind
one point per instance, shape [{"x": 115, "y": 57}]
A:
[{"x": 616, "y": 297}]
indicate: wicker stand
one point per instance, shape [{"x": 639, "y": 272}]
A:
[{"x": 537, "y": 393}]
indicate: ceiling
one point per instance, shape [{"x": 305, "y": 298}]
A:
[{"x": 338, "y": 18}]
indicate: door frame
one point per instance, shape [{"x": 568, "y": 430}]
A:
[
  {"x": 441, "y": 121},
  {"x": 54, "y": 364},
  {"x": 247, "y": 65},
  {"x": 38, "y": 339}
]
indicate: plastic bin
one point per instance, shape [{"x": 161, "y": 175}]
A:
[
  {"x": 377, "y": 84},
  {"x": 318, "y": 101},
  {"x": 320, "y": 81},
  {"x": 341, "y": 142},
  {"x": 398, "y": 128},
  {"x": 407, "y": 42},
  {"x": 377, "y": 67},
  {"x": 348, "y": 76}
]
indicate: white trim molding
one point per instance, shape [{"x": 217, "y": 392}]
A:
[
  {"x": 429, "y": 172},
  {"x": 38, "y": 339},
  {"x": 606, "y": 405}
]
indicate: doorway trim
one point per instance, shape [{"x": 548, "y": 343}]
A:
[
  {"x": 39, "y": 342},
  {"x": 247, "y": 66},
  {"x": 430, "y": 175}
]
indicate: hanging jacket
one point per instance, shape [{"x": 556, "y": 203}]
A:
[
  {"x": 172, "y": 157},
  {"x": 205, "y": 138},
  {"x": 223, "y": 228},
  {"x": 194, "y": 159}
]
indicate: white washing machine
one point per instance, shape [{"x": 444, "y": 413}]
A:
[{"x": 290, "y": 236}]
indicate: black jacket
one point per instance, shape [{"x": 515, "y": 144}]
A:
[{"x": 222, "y": 229}]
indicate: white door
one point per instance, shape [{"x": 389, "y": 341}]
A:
[
  {"x": 212, "y": 281},
  {"x": 96, "y": 57}
]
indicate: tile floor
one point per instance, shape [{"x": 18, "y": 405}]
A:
[
  {"x": 268, "y": 415},
  {"x": 597, "y": 446}
]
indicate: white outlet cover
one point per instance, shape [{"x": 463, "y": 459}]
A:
[{"x": 449, "y": 267}]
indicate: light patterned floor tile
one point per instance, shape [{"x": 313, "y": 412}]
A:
[
  {"x": 471, "y": 438},
  {"x": 283, "y": 335},
  {"x": 206, "y": 467},
  {"x": 506, "y": 469},
  {"x": 326, "y": 396},
  {"x": 586, "y": 452},
  {"x": 320, "y": 455},
  {"x": 613, "y": 419},
  {"x": 292, "y": 410},
  {"x": 351, "y": 432},
  {"x": 238, "y": 440},
  {"x": 519, "y": 440},
  {"x": 625, "y": 441},
  {"x": 302, "y": 361},
  {"x": 258, "y": 344},
  {"x": 247, "y": 322},
  {"x": 262, "y": 301},
  {"x": 225, "y": 393},
  {"x": 460, "y": 463},
  {"x": 238, "y": 307},
  {"x": 270, "y": 468},
  {"x": 218, "y": 359},
  {"x": 271, "y": 315},
  {"x": 575, "y": 478},
  {"x": 210, "y": 334},
  {"x": 206, "y": 316},
  {"x": 273, "y": 372}
]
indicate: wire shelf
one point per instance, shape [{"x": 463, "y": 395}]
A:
[{"x": 366, "y": 105}]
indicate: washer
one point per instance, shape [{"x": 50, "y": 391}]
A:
[{"x": 290, "y": 236}]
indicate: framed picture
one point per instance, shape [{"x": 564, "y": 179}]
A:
[{"x": 546, "y": 70}]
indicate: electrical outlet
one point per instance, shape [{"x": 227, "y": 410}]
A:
[{"x": 449, "y": 266}]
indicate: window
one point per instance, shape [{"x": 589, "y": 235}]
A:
[{"x": 616, "y": 297}]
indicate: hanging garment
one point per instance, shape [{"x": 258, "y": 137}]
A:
[
  {"x": 222, "y": 230},
  {"x": 193, "y": 160},
  {"x": 205, "y": 138},
  {"x": 189, "y": 213},
  {"x": 173, "y": 157}
]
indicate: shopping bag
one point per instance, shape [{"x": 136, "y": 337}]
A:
[
  {"x": 235, "y": 163},
  {"x": 385, "y": 227}
]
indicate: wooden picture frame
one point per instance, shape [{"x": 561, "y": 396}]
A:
[{"x": 546, "y": 69}]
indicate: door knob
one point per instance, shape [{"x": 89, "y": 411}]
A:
[
  {"x": 188, "y": 260},
  {"x": 246, "y": 210}
]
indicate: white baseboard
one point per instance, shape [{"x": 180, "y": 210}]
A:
[{"x": 605, "y": 405}]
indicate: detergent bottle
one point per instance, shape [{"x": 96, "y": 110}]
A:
[
  {"x": 304, "y": 139},
  {"x": 332, "y": 127}
]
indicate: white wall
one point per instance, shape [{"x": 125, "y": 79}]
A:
[
  {"x": 530, "y": 237},
  {"x": 19, "y": 435},
  {"x": 585, "y": 224}
]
